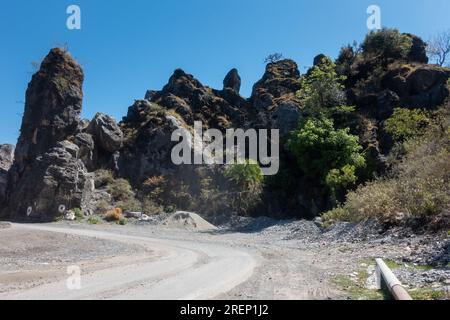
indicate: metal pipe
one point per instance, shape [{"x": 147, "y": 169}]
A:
[{"x": 394, "y": 285}]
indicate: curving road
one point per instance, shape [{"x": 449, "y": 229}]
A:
[{"x": 176, "y": 270}]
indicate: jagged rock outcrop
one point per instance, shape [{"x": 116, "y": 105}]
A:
[
  {"x": 274, "y": 97},
  {"x": 148, "y": 147},
  {"x": 47, "y": 174},
  {"x": 6, "y": 161},
  {"x": 232, "y": 81},
  {"x": 418, "y": 86},
  {"x": 106, "y": 133},
  {"x": 58, "y": 155},
  {"x": 418, "y": 51},
  {"x": 409, "y": 86},
  {"x": 193, "y": 101},
  {"x": 52, "y": 108}
]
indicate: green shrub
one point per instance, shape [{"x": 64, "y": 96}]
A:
[
  {"x": 247, "y": 185},
  {"x": 93, "y": 220},
  {"x": 327, "y": 155},
  {"x": 322, "y": 88},
  {"x": 79, "y": 215},
  {"x": 120, "y": 190},
  {"x": 247, "y": 175},
  {"x": 406, "y": 124},
  {"x": 387, "y": 44}
]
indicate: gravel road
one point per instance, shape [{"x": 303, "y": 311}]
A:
[
  {"x": 265, "y": 260},
  {"x": 172, "y": 269}
]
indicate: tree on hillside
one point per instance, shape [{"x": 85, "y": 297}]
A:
[
  {"x": 274, "y": 57},
  {"x": 322, "y": 88},
  {"x": 439, "y": 48},
  {"x": 326, "y": 155}
]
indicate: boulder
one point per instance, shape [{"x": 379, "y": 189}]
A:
[
  {"x": 232, "y": 81},
  {"x": 106, "y": 133},
  {"x": 70, "y": 215}
]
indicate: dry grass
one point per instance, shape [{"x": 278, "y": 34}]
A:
[
  {"x": 114, "y": 215},
  {"x": 418, "y": 188}
]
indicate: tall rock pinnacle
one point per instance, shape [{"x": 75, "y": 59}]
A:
[{"x": 46, "y": 172}]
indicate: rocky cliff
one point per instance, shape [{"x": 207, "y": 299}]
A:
[{"x": 57, "y": 154}]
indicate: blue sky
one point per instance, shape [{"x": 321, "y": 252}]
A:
[{"x": 129, "y": 46}]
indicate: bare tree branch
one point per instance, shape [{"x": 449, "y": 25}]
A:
[{"x": 439, "y": 48}]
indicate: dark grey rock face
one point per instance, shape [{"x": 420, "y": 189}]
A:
[
  {"x": 54, "y": 184},
  {"x": 274, "y": 96},
  {"x": 106, "y": 133},
  {"x": 87, "y": 154},
  {"x": 46, "y": 174},
  {"x": 52, "y": 108},
  {"x": 232, "y": 81}
]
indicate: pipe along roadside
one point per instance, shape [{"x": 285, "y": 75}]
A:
[{"x": 394, "y": 285}]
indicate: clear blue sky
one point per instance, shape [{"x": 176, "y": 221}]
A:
[{"x": 129, "y": 46}]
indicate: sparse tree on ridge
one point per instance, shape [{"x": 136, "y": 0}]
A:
[
  {"x": 439, "y": 48},
  {"x": 274, "y": 57}
]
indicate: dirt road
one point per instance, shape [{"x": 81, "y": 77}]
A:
[{"x": 173, "y": 269}]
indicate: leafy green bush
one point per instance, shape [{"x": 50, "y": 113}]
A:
[
  {"x": 247, "y": 175},
  {"x": 387, "y": 44},
  {"x": 325, "y": 154},
  {"x": 322, "y": 88},
  {"x": 247, "y": 185},
  {"x": 405, "y": 124},
  {"x": 79, "y": 215},
  {"x": 93, "y": 220}
]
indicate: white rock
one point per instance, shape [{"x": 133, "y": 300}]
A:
[
  {"x": 144, "y": 217},
  {"x": 70, "y": 216}
]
